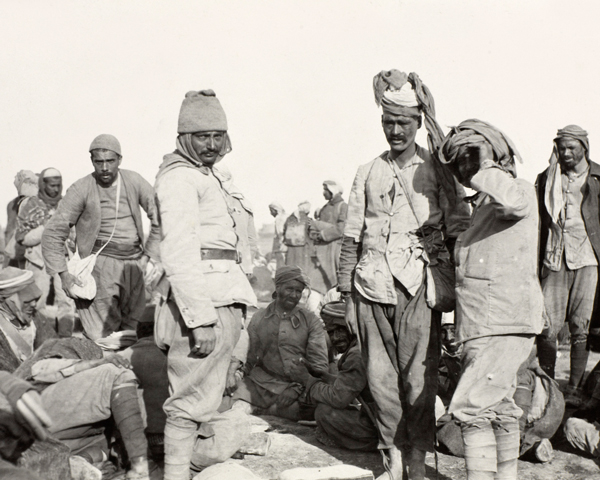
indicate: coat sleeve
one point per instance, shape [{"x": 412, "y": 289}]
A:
[
  {"x": 508, "y": 193},
  {"x": 334, "y": 231},
  {"x": 350, "y": 381},
  {"x": 316, "y": 350},
  {"x": 254, "y": 343},
  {"x": 58, "y": 229},
  {"x": 457, "y": 217},
  {"x": 178, "y": 199},
  {"x": 147, "y": 201}
]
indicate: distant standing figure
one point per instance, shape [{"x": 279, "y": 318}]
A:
[
  {"x": 326, "y": 231},
  {"x": 26, "y": 183},
  {"x": 279, "y": 247},
  {"x": 34, "y": 214},
  {"x": 568, "y": 197}
]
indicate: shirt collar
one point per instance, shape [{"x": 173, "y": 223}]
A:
[{"x": 271, "y": 311}]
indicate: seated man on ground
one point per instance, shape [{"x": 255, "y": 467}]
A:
[
  {"x": 280, "y": 335},
  {"x": 22, "y": 329},
  {"x": 340, "y": 420},
  {"x": 582, "y": 429},
  {"x": 80, "y": 389}
]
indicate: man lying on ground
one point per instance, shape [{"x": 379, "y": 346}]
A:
[{"x": 80, "y": 389}]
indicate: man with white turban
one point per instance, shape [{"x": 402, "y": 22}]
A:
[
  {"x": 404, "y": 214},
  {"x": 326, "y": 232},
  {"x": 568, "y": 196}
]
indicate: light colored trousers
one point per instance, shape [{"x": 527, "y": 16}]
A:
[{"x": 489, "y": 378}]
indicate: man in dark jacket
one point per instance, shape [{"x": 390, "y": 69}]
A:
[{"x": 568, "y": 192}]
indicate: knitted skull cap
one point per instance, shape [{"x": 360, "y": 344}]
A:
[
  {"x": 107, "y": 142},
  {"x": 201, "y": 112}
]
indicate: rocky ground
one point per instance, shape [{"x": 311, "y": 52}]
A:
[{"x": 294, "y": 445}]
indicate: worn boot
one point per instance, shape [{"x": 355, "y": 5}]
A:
[
  {"x": 507, "y": 448},
  {"x": 416, "y": 464},
  {"x": 480, "y": 450},
  {"x": 579, "y": 358},
  {"x": 546, "y": 351},
  {"x": 180, "y": 438}
]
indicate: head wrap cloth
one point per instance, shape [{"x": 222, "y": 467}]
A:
[
  {"x": 277, "y": 207},
  {"x": 14, "y": 280},
  {"x": 49, "y": 173},
  {"x": 473, "y": 132},
  {"x": 333, "y": 186},
  {"x": 200, "y": 111},
  {"x": 391, "y": 89},
  {"x": 553, "y": 194},
  {"x": 290, "y": 273},
  {"x": 333, "y": 314},
  {"x": 26, "y": 183}
]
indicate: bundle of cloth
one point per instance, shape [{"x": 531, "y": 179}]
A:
[
  {"x": 402, "y": 94},
  {"x": 472, "y": 133}
]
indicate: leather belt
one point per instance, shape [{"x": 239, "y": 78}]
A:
[{"x": 220, "y": 254}]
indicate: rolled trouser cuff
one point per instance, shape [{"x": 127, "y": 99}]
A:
[{"x": 480, "y": 447}]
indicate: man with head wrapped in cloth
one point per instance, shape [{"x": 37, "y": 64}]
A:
[
  {"x": 568, "y": 196},
  {"x": 498, "y": 297},
  {"x": 404, "y": 213}
]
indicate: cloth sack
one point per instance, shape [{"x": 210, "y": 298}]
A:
[
  {"x": 82, "y": 268},
  {"x": 440, "y": 292}
]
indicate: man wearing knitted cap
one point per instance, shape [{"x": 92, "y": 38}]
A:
[
  {"x": 326, "y": 232},
  {"x": 404, "y": 213},
  {"x": 104, "y": 208},
  {"x": 568, "y": 196},
  {"x": 200, "y": 316}
]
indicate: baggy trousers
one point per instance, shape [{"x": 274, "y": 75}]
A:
[
  {"x": 120, "y": 299},
  {"x": 400, "y": 345},
  {"x": 197, "y": 384}
]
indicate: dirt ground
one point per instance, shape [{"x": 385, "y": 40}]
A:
[{"x": 294, "y": 445}]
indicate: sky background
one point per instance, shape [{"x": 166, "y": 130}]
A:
[{"x": 294, "y": 77}]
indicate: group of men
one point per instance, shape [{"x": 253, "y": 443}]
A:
[{"x": 409, "y": 245}]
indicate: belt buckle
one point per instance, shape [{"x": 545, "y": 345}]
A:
[{"x": 238, "y": 256}]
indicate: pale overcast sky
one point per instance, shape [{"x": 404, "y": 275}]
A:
[{"x": 294, "y": 77}]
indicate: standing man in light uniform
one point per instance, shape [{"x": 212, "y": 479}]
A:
[{"x": 201, "y": 318}]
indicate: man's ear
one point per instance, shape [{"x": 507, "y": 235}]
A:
[{"x": 420, "y": 122}]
